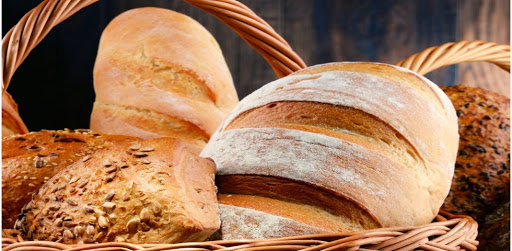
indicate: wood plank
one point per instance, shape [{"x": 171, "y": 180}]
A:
[
  {"x": 488, "y": 21},
  {"x": 435, "y": 25},
  {"x": 254, "y": 71},
  {"x": 298, "y": 29},
  {"x": 380, "y": 31}
]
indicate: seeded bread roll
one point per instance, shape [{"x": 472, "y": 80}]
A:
[
  {"x": 159, "y": 73},
  {"x": 29, "y": 160},
  {"x": 337, "y": 147},
  {"x": 482, "y": 171},
  {"x": 152, "y": 191}
]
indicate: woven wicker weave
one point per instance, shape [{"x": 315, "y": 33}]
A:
[{"x": 448, "y": 232}]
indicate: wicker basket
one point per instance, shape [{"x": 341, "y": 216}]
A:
[{"x": 447, "y": 232}]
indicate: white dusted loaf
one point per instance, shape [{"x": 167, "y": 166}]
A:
[{"x": 335, "y": 147}]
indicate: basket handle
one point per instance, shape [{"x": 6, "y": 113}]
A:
[
  {"x": 37, "y": 23},
  {"x": 453, "y": 53}
]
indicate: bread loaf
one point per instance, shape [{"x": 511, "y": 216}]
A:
[
  {"x": 11, "y": 121},
  {"x": 29, "y": 160},
  {"x": 494, "y": 233},
  {"x": 159, "y": 73},
  {"x": 482, "y": 171},
  {"x": 336, "y": 147},
  {"x": 146, "y": 191}
]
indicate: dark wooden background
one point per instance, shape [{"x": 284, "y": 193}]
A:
[{"x": 54, "y": 85}]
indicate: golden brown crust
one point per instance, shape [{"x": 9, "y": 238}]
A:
[
  {"x": 482, "y": 170},
  {"x": 162, "y": 61},
  {"x": 302, "y": 214},
  {"x": 339, "y": 214},
  {"x": 127, "y": 120},
  {"x": 29, "y": 160},
  {"x": 338, "y": 121},
  {"x": 147, "y": 191}
]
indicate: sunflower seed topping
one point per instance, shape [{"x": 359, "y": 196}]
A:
[
  {"x": 107, "y": 163},
  {"x": 145, "y": 215},
  {"x": 140, "y": 154},
  {"x": 111, "y": 169},
  {"x": 92, "y": 220},
  {"x": 74, "y": 179},
  {"x": 83, "y": 183},
  {"x": 58, "y": 222},
  {"x": 102, "y": 222},
  {"x": 86, "y": 158},
  {"x": 133, "y": 224},
  {"x": 135, "y": 146},
  {"x": 89, "y": 230},
  {"x": 54, "y": 207},
  {"x": 109, "y": 206},
  {"x": 79, "y": 230},
  {"x": 147, "y": 149},
  {"x": 110, "y": 177},
  {"x": 68, "y": 234},
  {"x": 110, "y": 195},
  {"x": 69, "y": 224},
  {"x": 71, "y": 203},
  {"x": 87, "y": 209}
]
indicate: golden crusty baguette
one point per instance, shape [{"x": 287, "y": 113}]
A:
[{"x": 159, "y": 73}]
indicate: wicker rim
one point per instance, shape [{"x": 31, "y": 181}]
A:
[
  {"x": 10, "y": 116},
  {"x": 450, "y": 233},
  {"x": 453, "y": 53}
]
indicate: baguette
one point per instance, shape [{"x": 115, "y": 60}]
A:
[{"x": 159, "y": 73}]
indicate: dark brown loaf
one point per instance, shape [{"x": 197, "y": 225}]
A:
[
  {"x": 29, "y": 160},
  {"x": 482, "y": 170},
  {"x": 343, "y": 141},
  {"x": 147, "y": 191},
  {"x": 494, "y": 233}
]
